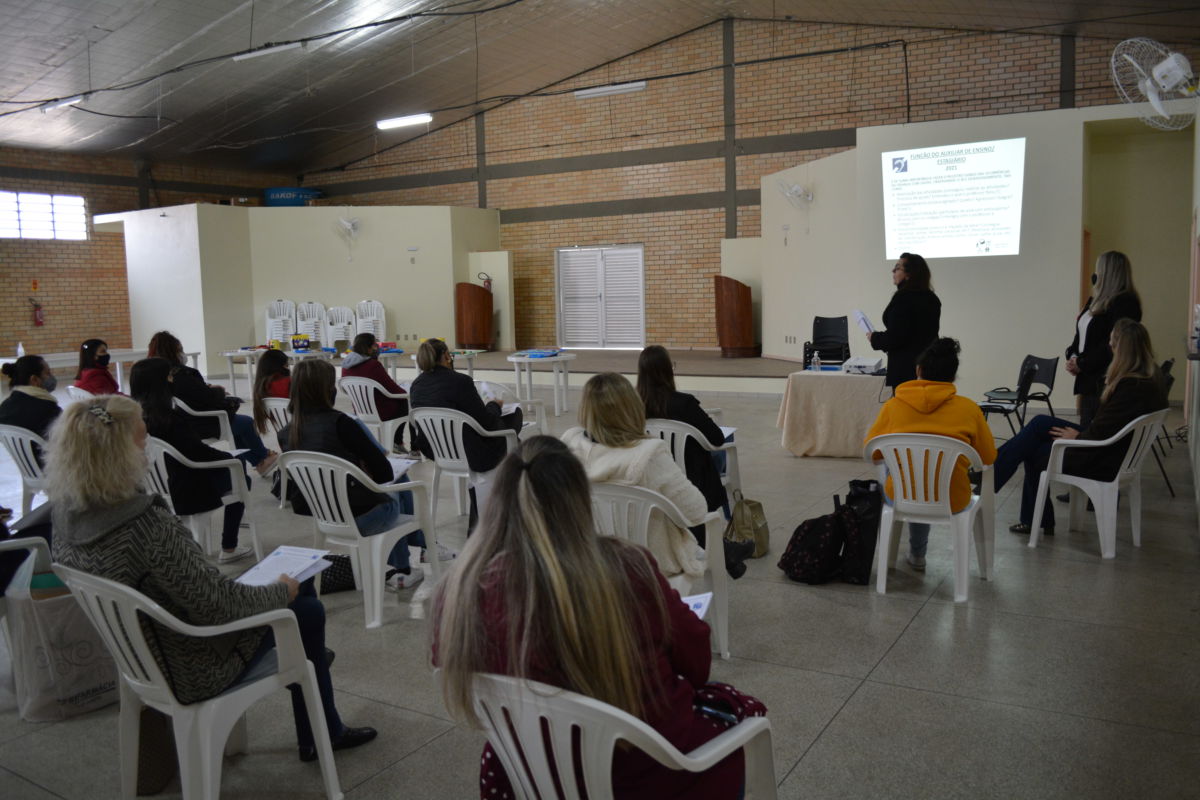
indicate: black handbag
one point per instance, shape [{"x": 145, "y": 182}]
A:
[{"x": 339, "y": 577}]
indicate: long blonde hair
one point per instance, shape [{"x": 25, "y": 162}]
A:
[
  {"x": 1114, "y": 276},
  {"x": 93, "y": 460},
  {"x": 569, "y": 596},
  {"x": 1133, "y": 357},
  {"x": 611, "y": 411}
]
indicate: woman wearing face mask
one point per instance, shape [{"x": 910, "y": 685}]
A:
[
  {"x": 363, "y": 362},
  {"x": 93, "y": 375},
  {"x": 31, "y": 404}
]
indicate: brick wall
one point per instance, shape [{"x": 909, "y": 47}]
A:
[{"x": 82, "y": 284}]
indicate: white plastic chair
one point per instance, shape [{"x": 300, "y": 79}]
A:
[
  {"x": 310, "y": 321},
  {"x": 1103, "y": 494},
  {"x": 204, "y": 731},
  {"x": 624, "y": 511},
  {"x": 23, "y": 445},
  {"x": 921, "y": 466},
  {"x": 676, "y": 434},
  {"x": 541, "y": 732},
  {"x": 281, "y": 320},
  {"x": 157, "y": 481},
  {"x": 75, "y": 393},
  {"x": 371, "y": 318},
  {"x": 277, "y": 412},
  {"x": 221, "y": 417},
  {"x": 443, "y": 429},
  {"x": 339, "y": 325},
  {"x": 362, "y": 399},
  {"x": 324, "y": 481}
]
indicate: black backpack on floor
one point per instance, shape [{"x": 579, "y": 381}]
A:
[
  {"x": 865, "y": 501},
  {"x": 838, "y": 544}
]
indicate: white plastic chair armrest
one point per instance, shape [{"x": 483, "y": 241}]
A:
[
  {"x": 36, "y": 546},
  {"x": 392, "y": 395},
  {"x": 732, "y": 740},
  {"x": 715, "y": 413},
  {"x": 418, "y": 488}
]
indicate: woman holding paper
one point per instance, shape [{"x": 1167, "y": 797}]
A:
[
  {"x": 317, "y": 426},
  {"x": 536, "y": 594},
  {"x": 912, "y": 318},
  {"x": 105, "y": 525}
]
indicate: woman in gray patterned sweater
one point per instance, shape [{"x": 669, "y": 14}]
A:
[{"x": 103, "y": 524}]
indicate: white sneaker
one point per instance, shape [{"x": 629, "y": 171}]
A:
[
  {"x": 444, "y": 554},
  {"x": 237, "y": 554},
  {"x": 916, "y": 562},
  {"x": 400, "y": 581}
]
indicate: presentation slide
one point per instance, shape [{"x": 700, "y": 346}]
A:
[{"x": 954, "y": 201}]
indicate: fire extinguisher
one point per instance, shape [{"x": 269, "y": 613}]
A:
[
  {"x": 39, "y": 316},
  {"x": 487, "y": 280}
]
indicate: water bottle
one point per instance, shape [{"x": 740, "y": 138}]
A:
[
  {"x": 815, "y": 364},
  {"x": 20, "y": 350}
]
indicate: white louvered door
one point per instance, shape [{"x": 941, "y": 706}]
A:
[{"x": 601, "y": 297}]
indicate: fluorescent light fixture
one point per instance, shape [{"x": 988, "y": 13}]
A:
[
  {"x": 266, "y": 51},
  {"x": 68, "y": 101},
  {"x": 616, "y": 88},
  {"x": 400, "y": 122}
]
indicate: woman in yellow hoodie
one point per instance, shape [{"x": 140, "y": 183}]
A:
[{"x": 930, "y": 405}]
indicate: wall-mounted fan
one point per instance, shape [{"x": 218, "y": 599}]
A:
[
  {"x": 1146, "y": 71},
  {"x": 348, "y": 230},
  {"x": 796, "y": 194}
]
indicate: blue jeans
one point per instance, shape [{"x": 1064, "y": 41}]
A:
[
  {"x": 1031, "y": 448},
  {"x": 384, "y": 516},
  {"x": 245, "y": 436},
  {"x": 310, "y": 618}
]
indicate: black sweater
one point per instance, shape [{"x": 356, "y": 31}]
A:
[
  {"x": 1131, "y": 398},
  {"x": 912, "y": 319},
  {"x": 1096, "y": 356}
]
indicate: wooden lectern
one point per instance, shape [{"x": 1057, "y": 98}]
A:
[
  {"x": 472, "y": 316},
  {"x": 735, "y": 319}
]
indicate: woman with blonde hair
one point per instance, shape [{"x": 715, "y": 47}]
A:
[
  {"x": 1088, "y": 355},
  {"x": 105, "y": 525},
  {"x": 614, "y": 448},
  {"x": 537, "y": 594},
  {"x": 1132, "y": 387}
]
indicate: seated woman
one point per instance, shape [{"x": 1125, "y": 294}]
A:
[
  {"x": 272, "y": 379},
  {"x": 30, "y": 404},
  {"x": 93, "y": 375},
  {"x": 930, "y": 405},
  {"x": 317, "y": 426},
  {"x": 614, "y": 448},
  {"x": 188, "y": 385},
  {"x": 106, "y": 526},
  {"x": 193, "y": 491},
  {"x": 656, "y": 387},
  {"x": 363, "y": 362},
  {"x": 514, "y": 602},
  {"x": 439, "y": 386},
  {"x": 1133, "y": 387}
]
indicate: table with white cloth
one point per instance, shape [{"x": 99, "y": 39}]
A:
[
  {"x": 116, "y": 355},
  {"x": 829, "y": 413}
]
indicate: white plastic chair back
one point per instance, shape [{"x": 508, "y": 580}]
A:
[
  {"x": 324, "y": 481},
  {"x": 281, "y": 319},
  {"x": 157, "y": 480},
  {"x": 676, "y": 434},
  {"x": 75, "y": 393},
  {"x": 201, "y": 729},
  {"x": 339, "y": 325},
  {"x": 23, "y": 446},
  {"x": 921, "y": 466},
  {"x": 625, "y": 511},
  {"x": 443, "y": 430},
  {"x": 222, "y": 418},
  {"x": 542, "y": 732},
  {"x": 371, "y": 318},
  {"x": 310, "y": 321},
  {"x": 362, "y": 400},
  {"x": 277, "y": 412},
  {"x": 1103, "y": 494}
]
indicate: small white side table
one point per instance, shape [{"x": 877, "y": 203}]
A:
[{"x": 562, "y": 377}]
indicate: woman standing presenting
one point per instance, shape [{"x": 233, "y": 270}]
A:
[
  {"x": 912, "y": 319},
  {"x": 1088, "y": 356}
]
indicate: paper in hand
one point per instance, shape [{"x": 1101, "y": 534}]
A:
[
  {"x": 863, "y": 322},
  {"x": 698, "y": 603},
  {"x": 299, "y": 563}
]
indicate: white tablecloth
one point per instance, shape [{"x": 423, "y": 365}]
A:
[{"x": 829, "y": 413}]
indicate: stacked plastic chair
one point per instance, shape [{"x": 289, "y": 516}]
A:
[
  {"x": 310, "y": 321},
  {"x": 339, "y": 325},
  {"x": 281, "y": 319},
  {"x": 371, "y": 318}
]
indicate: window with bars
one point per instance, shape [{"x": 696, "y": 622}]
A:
[{"x": 33, "y": 215}]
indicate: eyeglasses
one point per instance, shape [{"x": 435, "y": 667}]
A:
[{"x": 897, "y": 268}]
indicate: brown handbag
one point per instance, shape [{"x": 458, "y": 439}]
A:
[{"x": 748, "y": 523}]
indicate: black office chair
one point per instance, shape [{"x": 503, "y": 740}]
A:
[
  {"x": 1045, "y": 370},
  {"x": 830, "y": 340},
  {"x": 1168, "y": 382},
  {"x": 1019, "y": 401}
]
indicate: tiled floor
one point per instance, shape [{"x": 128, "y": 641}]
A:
[{"x": 1066, "y": 676}]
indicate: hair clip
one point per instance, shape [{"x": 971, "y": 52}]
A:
[{"x": 101, "y": 413}]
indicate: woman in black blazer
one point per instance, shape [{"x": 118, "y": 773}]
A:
[
  {"x": 1089, "y": 355},
  {"x": 912, "y": 318}
]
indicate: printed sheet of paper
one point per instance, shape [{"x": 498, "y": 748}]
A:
[
  {"x": 727, "y": 431},
  {"x": 300, "y": 563},
  {"x": 400, "y": 465},
  {"x": 698, "y": 603},
  {"x": 863, "y": 322}
]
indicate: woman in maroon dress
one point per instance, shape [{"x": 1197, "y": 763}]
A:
[{"x": 537, "y": 594}]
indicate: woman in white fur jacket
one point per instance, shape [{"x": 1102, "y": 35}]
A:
[{"x": 614, "y": 448}]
